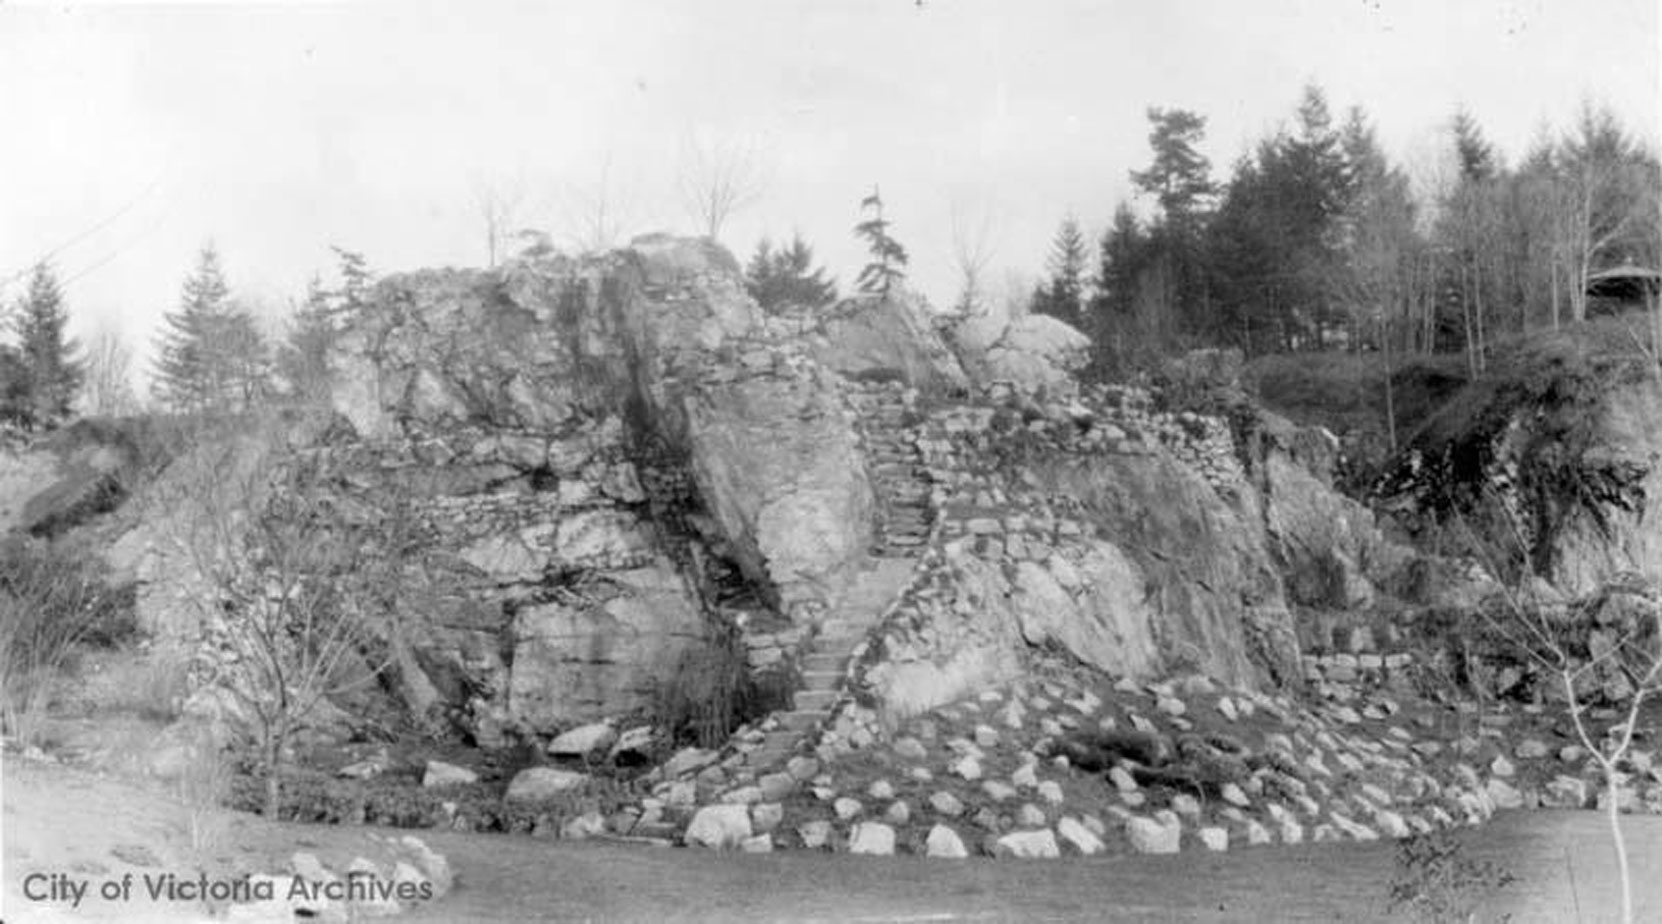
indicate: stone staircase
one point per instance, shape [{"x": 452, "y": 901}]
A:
[
  {"x": 824, "y": 659},
  {"x": 902, "y": 486},
  {"x": 899, "y": 477}
]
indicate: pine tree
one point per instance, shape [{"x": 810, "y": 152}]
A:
[
  {"x": 1063, "y": 295},
  {"x": 784, "y": 277},
  {"x": 212, "y": 356},
  {"x": 1180, "y": 177},
  {"x": 51, "y": 375},
  {"x": 888, "y": 256}
]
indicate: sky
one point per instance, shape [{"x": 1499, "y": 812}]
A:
[{"x": 135, "y": 134}]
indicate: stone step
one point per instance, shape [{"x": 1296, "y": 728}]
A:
[
  {"x": 800, "y": 721},
  {"x": 842, "y": 634},
  {"x": 826, "y": 661},
  {"x": 767, "y": 758},
  {"x": 816, "y": 700},
  {"x": 915, "y": 493},
  {"x": 823, "y": 679}
]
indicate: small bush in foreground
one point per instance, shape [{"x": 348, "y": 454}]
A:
[
  {"x": 1437, "y": 882},
  {"x": 52, "y": 601}
]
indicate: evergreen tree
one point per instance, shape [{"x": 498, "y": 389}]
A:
[
  {"x": 1172, "y": 285},
  {"x": 1279, "y": 235},
  {"x": 1123, "y": 250},
  {"x": 212, "y": 356},
  {"x": 52, "y": 375},
  {"x": 1180, "y": 177},
  {"x": 1062, "y": 296},
  {"x": 304, "y": 359},
  {"x": 888, "y": 256},
  {"x": 787, "y": 277},
  {"x": 14, "y": 386},
  {"x": 1473, "y": 153}
]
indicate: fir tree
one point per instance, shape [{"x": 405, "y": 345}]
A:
[
  {"x": 212, "y": 356},
  {"x": 303, "y": 361},
  {"x": 777, "y": 278},
  {"x": 1063, "y": 295},
  {"x": 887, "y": 255},
  {"x": 51, "y": 376}
]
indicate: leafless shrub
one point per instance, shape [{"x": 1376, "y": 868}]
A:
[
  {"x": 52, "y": 601},
  {"x": 1582, "y": 649},
  {"x": 302, "y": 581}
]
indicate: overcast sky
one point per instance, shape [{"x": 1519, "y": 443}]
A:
[{"x": 134, "y": 134}]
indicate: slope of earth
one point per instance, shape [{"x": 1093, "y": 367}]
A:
[{"x": 1072, "y": 764}]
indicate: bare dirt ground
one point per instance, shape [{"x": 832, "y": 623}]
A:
[{"x": 98, "y": 827}]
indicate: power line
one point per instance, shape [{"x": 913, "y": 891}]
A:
[
  {"x": 89, "y": 232},
  {"x": 118, "y": 251}
]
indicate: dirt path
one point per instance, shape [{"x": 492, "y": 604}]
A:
[{"x": 56, "y": 819}]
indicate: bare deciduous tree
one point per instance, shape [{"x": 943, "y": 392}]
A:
[
  {"x": 598, "y": 212},
  {"x": 500, "y": 202},
  {"x": 718, "y": 177},
  {"x": 1577, "y": 645},
  {"x": 108, "y": 391},
  {"x": 973, "y": 247},
  {"x": 301, "y": 584}
]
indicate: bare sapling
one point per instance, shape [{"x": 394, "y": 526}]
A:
[
  {"x": 301, "y": 584},
  {"x": 1584, "y": 648}
]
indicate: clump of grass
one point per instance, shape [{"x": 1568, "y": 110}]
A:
[
  {"x": 710, "y": 691},
  {"x": 1437, "y": 882},
  {"x": 203, "y": 789}
]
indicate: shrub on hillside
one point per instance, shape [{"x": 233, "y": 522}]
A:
[
  {"x": 53, "y": 601},
  {"x": 710, "y": 691}
]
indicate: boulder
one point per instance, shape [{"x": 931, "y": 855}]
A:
[
  {"x": 721, "y": 827},
  {"x": 891, "y": 339},
  {"x": 535, "y": 784},
  {"x": 1150, "y": 836},
  {"x": 583, "y": 741},
  {"x": 65, "y": 478},
  {"x": 871, "y": 837},
  {"x": 1030, "y": 352},
  {"x": 1082, "y": 838},
  {"x": 943, "y": 842},
  {"x": 1028, "y": 845},
  {"x": 439, "y": 773}
]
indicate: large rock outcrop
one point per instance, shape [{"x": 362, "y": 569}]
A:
[
  {"x": 1554, "y": 458},
  {"x": 614, "y": 444},
  {"x": 1066, "y": 531},
  {"x": 893, "y": 339},
  {"x": 1031, "y": 352}
]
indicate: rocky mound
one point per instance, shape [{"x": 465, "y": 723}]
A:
[
  {"x": 623, "y": 459},
  {"x": 1551, "y": 458}
]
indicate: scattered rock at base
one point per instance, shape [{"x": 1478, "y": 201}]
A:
[
  {"x": 439, "y": 773},
  {"x": 534, "y": 784},
  {"x": 721, "y": 827}
]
